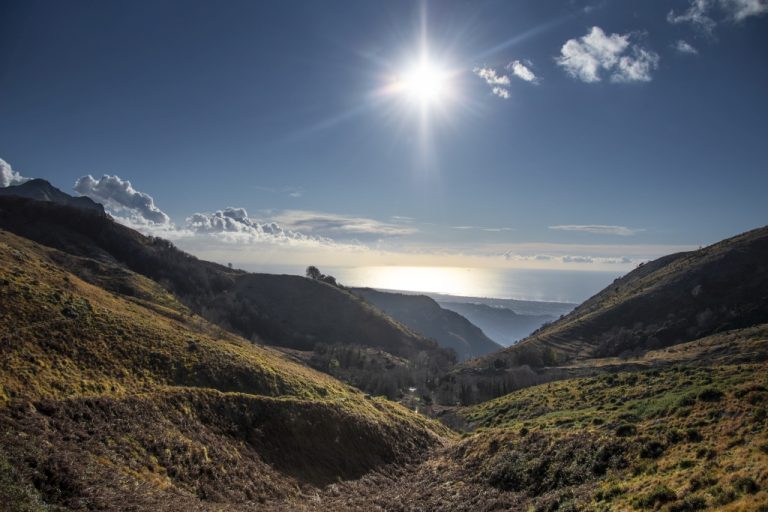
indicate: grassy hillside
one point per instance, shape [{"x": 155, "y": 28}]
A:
[
  {"x": 677, "y": 439},
  {"x": 425, "y": 316},
  {"x": 671, "y": 300},
  {"x": 130, "y": 398},
  {"x": 289, "y": 311}
]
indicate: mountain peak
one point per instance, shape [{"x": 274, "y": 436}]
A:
[{"x": 42, "y": 190}]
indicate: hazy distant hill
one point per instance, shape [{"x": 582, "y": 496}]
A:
[
  {"x": 425, "y": 316},
  {"x": 670, "y": 300},
  {"x": 41, "y": 190},
  {"x": 501, "y": 324}
]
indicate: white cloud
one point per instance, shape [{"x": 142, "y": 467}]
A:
[
  {"x": 700, "y": 13},
  {"x": 684, "y": 47},
  {"x": 9, "y": 177},
  {"x": 522, "y": 71},
  {"x": 234, "y": 225},
  {"x": 481, "y": 228},
  {"x": 119, "y": 195},
  {"x": 491, "y": 77},
  {"x": 570, "y": 259},
  {"x": 697, "y": 15},
  {"x": 739, "y": 10},
  {"x": 589, "y": 57},
  {"x": 336, "y": 225},
  {"x": 597, "y": 229},
  {"x": 636, "y": 68},
  {"x": 499, "y": 82},
  {"x": 501, "y": 92}
]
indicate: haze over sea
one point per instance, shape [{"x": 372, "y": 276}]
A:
[{"x": 522, "y": 284}]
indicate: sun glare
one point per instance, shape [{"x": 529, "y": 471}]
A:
[{"x": 424, "y": 83}]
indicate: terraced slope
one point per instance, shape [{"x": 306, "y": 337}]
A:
[{"x": 126, "y": 400}]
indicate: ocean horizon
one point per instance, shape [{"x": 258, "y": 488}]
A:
[{"x": 573, "y": 286}]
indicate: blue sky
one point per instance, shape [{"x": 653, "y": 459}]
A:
[{"x": 573, "y": 134}]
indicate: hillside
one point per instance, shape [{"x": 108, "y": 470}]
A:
[
  {"x": 130, "y": 398},
  {"x": 500, "y": 323},
  {"x": 672, "y": 439},
  {"x": 671, "y": 300},
  {"x": 425, "y": 316},
  {"x": 288, "y": 311}
]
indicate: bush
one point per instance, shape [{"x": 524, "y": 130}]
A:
[
  {"x": 693, "y": 435},
  {"x": 690, "y": 503},
  {"x": 625, "y": 430},
  {"x": 711, "y": 395},
  {"x": 658, "y": 496},
  {"x": 652, "y": 449},
  {"x": 745, "y": 485}
]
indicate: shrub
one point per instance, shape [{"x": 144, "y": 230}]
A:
[
  {"x": 652, "y": 449},
  {"x": 690, "y": 503},
  {"x": 710, "y": 395},
  {"x": 674, "y": 436},
  {"x": 693, "y": 435},
  {"x": 625, "y": 430},
  {"x": 722, "y": 496},
  {"x": 658, "y": 496},
  {"x": 745, "y": 485}
]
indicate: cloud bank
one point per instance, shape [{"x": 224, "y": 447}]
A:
[
  {"x": 336, "y": 225},
  {"x": 119, "y": 195},
  {"x": 597, "y": 229},
  {"x": 9, "y": 177},
  {"x": 596, "y": 54},
  {"x": 234, "y": 225}
]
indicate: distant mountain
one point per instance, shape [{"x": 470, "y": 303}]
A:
[
  {"x": 425, "y": 316},
  {"x": 521, "y": 307},
  {"x": 42, "y": 190},
  {"x": 500, "y": 323},
  {"x": 671, "y": 300}
]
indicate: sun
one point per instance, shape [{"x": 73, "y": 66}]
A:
[{"x": 424, "y": 83}]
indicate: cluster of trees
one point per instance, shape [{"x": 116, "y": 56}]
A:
[
  {"x": 313, "y": 272},
  {"x": 379, "y": 373}
]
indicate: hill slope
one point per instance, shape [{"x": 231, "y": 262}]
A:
[
  {"x": 110, "y": 398},
  {"x": 284, "y": 310},
  {"x": 501, "y": 324},
  {"x": 671, "y": 300},
  {"x": 425, "y": 316}
]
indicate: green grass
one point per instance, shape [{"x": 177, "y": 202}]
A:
[{"x": 695, "y": 433}]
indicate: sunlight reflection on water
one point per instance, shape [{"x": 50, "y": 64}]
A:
[{"x": 523, "y": 284}]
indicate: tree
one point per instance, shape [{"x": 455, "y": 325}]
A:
[{"x": 313, "y": 272}]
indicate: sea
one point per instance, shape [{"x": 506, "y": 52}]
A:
[{"x": 572, "y": 286}]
